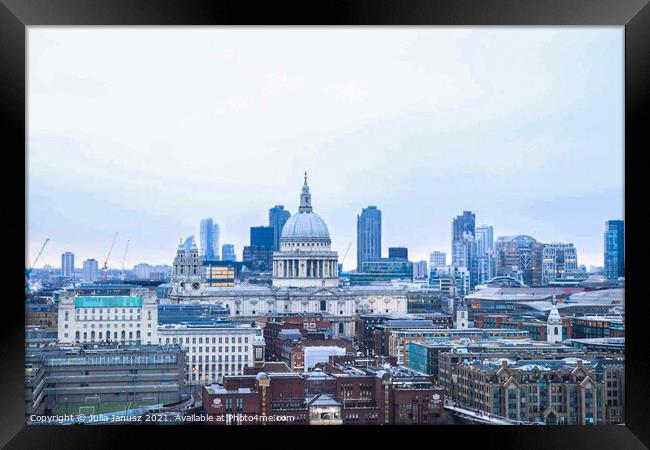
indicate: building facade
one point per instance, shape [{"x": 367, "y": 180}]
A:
[
  {"x": 131, "y": 318},
  {"x": 559, "y": 261},
  {"x": 214, "y": 350},
  {"x": 437, "y": 259}
]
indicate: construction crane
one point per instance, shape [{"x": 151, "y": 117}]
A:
[
  {"x": 105, "y": 266},
  {"x": 38, "y": 256},
  {"x": 126, "y": 250},
  {"x": 346, "y": 253}
]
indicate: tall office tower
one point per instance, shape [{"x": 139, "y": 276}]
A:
[
  {"x": 461, "y": 225},
  {"x": 437, "y": 259},
  {"x": 462, "y": 229},
  {"x": 90, "y": 270},
  {"x": 368, "y": 236},
  {"x": 420, "y": 270},
  {"x": 277, "y": 218},
  {"x": 398, "y": 252},
  {"x": 558, "y": 261},
  {"x": 484, "y": 239},
  {"x": 67, "y": 265},
  {"x": 614, "y": 245},
  {"x": 209, "y": 235},
  {"x": 259, "y": 254},
  {"x": 228, "y": 252}
]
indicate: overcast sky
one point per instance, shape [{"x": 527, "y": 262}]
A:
[{"x": 146, "y": 131}]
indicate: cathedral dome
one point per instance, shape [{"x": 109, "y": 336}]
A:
[{"x": 305, "y": 225}]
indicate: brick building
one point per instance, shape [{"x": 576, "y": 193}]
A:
[{"x": 338, "y": 394}]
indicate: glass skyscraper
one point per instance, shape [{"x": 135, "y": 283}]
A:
[
  {"x": 614, "y": 246},
  {"x": 277, "y": 218},
  {"x": 368, "y": 236},
  {"x": 228, "y": 252},
  {"x": 209, "y": 234}
]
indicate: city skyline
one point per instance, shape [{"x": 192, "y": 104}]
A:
[{"x": 546, "y": 162}]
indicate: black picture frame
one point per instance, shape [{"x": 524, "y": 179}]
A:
[{"x": 16, "y": 15}]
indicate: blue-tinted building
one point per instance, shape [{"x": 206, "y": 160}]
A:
[
  {"x": 169, "y": 314},
  {"x": 383, "y": 269},
  {"x": 368, "y": 236},
  {"x": 228, "y": 252},
  {"x": 209, "y": 233},
  {"x": 398, "y": 252},
  {"x": 278, "y": 216},
  {"x": 614, "y": 246}
]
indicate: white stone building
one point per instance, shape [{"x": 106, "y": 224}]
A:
[
  {"x": 129, "y": 318},
  {"x": 305, "y": 279},
  {"x": 213, "y": 351}
]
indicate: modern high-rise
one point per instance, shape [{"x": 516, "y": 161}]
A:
[
  {"x": 67, "y": 265},
  {"x": 91, "y": 267},
  {"x": 614, "y": 247},
  {"x": 228, "y": 252},
  {"x": 209, "y": 235},
  {"x": 559, "y": 260},
  {"x": 437, "y": 259},
  {"x": 259, "y": 254},
  {"x": 278, "y": 216},
  {"x": 484, "y": 239},
  {"x": 398, "y": 252},
  {"x": 368, "y": 236},
  {"x": 463, "y": 224},
  {"x": 463, "y": 244}
]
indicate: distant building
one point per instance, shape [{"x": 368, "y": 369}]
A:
[
  {"x": 463, "y": 225},
  {"x": 67, "y": 265},
  {"x": 398, "y": 252},
  {"x": 209, "y": 235},
  {"x": 484, "y": 239},
  {"x": 259, "y": 254},
  {"x": 420, "y": 270},
  {"x": 520, "y": 257},
  {"x": 614, "y": 246},
  {"x": 220, "y": 273},
  {"x": 228, "y": 252},
  {"x": 437, "y": 259},
  {"x": 278, "y": 216},
  {"x": 382, "y": 269},
  {"x": 559, "y": 261},
  {"x": 368, "y": 235},
  {"x": 142, "y": 271},
  {"x": 450, "y": 281},
  {"x": 90, "y": 266}
]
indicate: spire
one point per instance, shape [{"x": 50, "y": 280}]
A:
[
  {"x": 305, "y": 197},
  {"x": 554, "y": 314}
]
